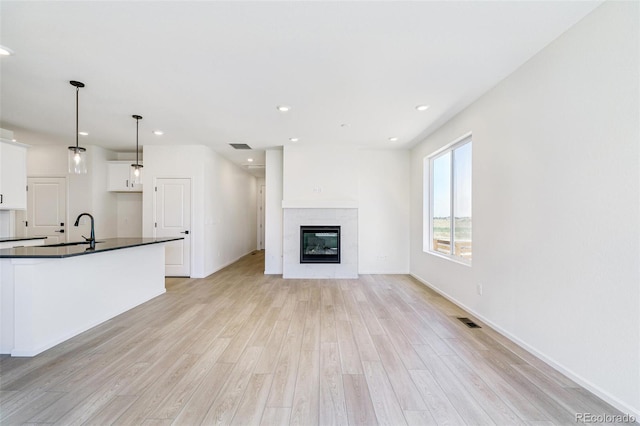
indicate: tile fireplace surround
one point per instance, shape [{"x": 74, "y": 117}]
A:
[{"x": 294, "y": 218}]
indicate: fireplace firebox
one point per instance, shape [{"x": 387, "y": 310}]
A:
[{"x": 319, "y": 244}]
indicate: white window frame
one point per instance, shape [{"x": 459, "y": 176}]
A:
[{"x": 427, "y": 243}]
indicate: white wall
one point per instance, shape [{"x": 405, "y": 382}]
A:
[
  {"x": 556, "y": 205},
  {"x": 319, "y": 176},
  {"x": 223, "y": 209},
  {"x": 273, "y": 212},
  {"x": 129, "y": 214},
  {"x": 383, "y": 212}
]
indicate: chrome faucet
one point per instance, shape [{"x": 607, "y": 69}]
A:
[{"x": 92, "y": 238}]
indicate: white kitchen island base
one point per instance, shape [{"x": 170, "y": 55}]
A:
[{"x": 45, "y": 301}]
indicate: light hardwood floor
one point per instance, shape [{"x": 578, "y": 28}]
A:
[{"x": 243, "y": 348}]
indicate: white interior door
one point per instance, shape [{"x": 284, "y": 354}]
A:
[
  {"x": 173, "y": 219},
  {"x": 46, "y": 210}
]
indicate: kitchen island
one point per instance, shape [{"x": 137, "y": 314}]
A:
[{"x": 49, "y": 294}]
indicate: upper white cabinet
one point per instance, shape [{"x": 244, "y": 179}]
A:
[
  {"x": 119, "y": 177},
  {"x": 13, "y": 176}
]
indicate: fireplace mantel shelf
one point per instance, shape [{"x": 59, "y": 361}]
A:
[{"x": 320, "y": 204}]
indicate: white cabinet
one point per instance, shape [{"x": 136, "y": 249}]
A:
[
  {"x": 119, "y": 177},
  {"x": 13, "y": 176}
]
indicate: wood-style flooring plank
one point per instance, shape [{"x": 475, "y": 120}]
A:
[
  {"x": 328, "y": 324},
  {"x": 437, "y": 402},
  {"x": 179, "y": 394},
  {"x": 112, "y": 410},
  {"x": 194, "y": 410},
  {"x": 476, "y": 360},
  {"x": 456, "y": 390},
  {"x": 333, "y": 410},
  {"x": 419, "y": 418},
  {"x": 484, "y": 394},
  {"x": 385, "y": 402},
  {"x": 253, "y": 402},
  {"x": 269, "y": 358},
  {"x": 304, "y": 408},
  {"x": 349, "y": 355},
  {"x": 228, "y": 400},
  {"x": 284, "y": 376},
  {"x": 404, "y": 388},
  {"x": 358, "y": 400},
  {"x": 275, "y": 416},
  {"x": 83, "y": 409},
  {"x": 37, "y": 403}
]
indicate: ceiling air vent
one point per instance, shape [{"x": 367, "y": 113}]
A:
[{"x": 240, "y": 146}]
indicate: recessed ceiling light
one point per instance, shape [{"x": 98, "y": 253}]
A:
[
  {"x": 5, "y": 51},
  {"x": 158, "y": 132},
  {"x": 83, "y": 133},
  {"x": 250, "y": 160},
  {"x": 14, "y": 140},
  {"x": 294, "y": 139},
  {"x": 422, "y": 107},
  {"x": 283, "y": 108},
  {"x": 393, "y": 139}
]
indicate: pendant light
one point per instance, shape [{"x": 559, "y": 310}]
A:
[
  {"x": 77, "y": 154},
  {"x": 136, "y": 169}
]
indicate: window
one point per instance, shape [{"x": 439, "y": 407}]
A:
[{"x": 448, "y": 202}]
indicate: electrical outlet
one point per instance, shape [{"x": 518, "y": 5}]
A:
[{"x": 479, "y": 289}]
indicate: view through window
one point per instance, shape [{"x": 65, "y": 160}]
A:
[{"x": 449, "y": 203}]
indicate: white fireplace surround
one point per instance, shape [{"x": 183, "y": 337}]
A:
[{"x": 294, "y": 218}]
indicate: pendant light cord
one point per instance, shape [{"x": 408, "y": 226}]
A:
[
  {"x": 137, "y": 122},
  {"x": 77, "y": 129}
]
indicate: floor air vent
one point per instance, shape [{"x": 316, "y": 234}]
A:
[{"x": 469, "y": 323}]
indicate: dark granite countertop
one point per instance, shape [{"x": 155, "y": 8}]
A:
[
  {"x": 7, "y": 239},
  {"x": 102, "y": 245}
]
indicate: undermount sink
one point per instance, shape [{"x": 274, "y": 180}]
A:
[{"x": 75, "y": 243}]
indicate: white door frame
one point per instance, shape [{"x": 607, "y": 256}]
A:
[{"x": 261, "y": 216}]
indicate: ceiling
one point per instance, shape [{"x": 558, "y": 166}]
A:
[{"x": 212, "y": 73}]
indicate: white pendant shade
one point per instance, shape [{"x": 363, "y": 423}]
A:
[{"x": 77, "y": 159}]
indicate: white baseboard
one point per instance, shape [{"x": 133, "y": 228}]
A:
[{"x": 593, "y": 388}]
